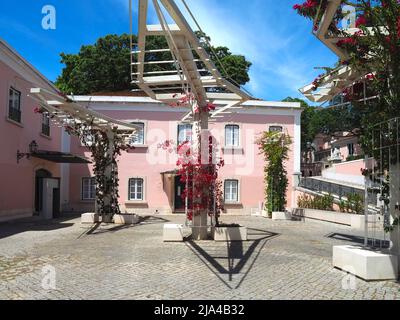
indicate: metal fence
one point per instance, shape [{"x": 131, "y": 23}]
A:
[{"x": 335, "y": 189}]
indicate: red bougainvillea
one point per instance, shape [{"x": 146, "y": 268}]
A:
[{"x": 203, "y": 191}]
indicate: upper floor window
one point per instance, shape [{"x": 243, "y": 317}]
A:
[
  {"x": 138, "y": 138},
  {"x": 184, "y": 133},
  {"x": 231, "y": 191},
  {"x": 232, "y": 135},
  {"x": 14, "y": 105},
  {"x": 88, "y": 188},
  {"x": 46, "y": 124},
  {"x": 136, "y": 189},
  {"x": 275, "y": 129}
]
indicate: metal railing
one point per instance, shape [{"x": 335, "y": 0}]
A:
[{"x": 335, "y": 189}]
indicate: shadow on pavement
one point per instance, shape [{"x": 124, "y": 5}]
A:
[
  {"x": 236, "y": 255},
  {"x": 358, "y": 239},
  {"x": 11, "y": 228},
  {"x": 100, "y": 228}
]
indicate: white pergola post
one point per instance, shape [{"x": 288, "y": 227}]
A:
[{"x": 200, "y": 223}]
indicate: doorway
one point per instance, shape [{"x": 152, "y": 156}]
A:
[
  {"x": 179, "y": 206},
  {"x": 40, "y": 175}
]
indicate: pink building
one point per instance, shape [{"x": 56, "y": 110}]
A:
[{"x": 148, "y": 182}]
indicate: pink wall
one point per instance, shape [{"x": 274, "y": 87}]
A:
[
  {"x": 17, "y": 187},
  {"x": 245, "y": 165}
]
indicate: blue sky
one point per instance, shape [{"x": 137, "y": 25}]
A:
[{"x": 268, "y": 32}]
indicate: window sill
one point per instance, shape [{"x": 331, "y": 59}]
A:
[
  {"x": 19, "y": 124},
  {"x": 140, "y": 146},
  {"x": 233, "y": 203},
  {"x": 45, "y": 136},
  {"x": 136, "y": 202},
  {"x": 233, "y": 149}
]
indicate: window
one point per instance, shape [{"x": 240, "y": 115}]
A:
[
  {"x": 88, "y": 188},
  {"x": 231, "y": 191},
  {"x": 350, "y": 147},
  {"x": 46, "y": 124},
  {"x": 14, "y": 105},
  {"x": 136, "y": 189},
  {"x": 275, "y": 129},
  {"x": 184, "y": 133},
  {"x": 138, "y": 138},
  {"x": 232, "y": 136}
]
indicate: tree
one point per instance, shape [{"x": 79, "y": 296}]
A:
[
  {"x": 315, "y": 120},
  {"x": 105, "y": 65}
]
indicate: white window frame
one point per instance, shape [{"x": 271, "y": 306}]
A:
[
  {"x": 273, "y": 126},
  {"x": 185, "y": 130},
  {"x": 239, "y": 140},
  {"x": 140, "y": 122},
  {"x": 136, "y": 199},
  {"x": 12, "y": 92},
  {"x": 91, "y": 193},
  {"x": 230, "y": 201},
  {"x": 45, "y": 121}
]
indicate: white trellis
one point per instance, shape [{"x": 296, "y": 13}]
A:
[{"x": 66, "y": 113}]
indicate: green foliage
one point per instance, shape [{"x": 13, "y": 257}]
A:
[
  {"x": 353, "y": 158},
  {"x": 315, "y": 202},
  {"x": 328, "y": 121},
  {"x": 275, "y": 147},
  {"x": 353, "y": 204},
  {"x": 105, "y": 65}
]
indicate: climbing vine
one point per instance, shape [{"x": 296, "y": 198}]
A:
[
  {"x": 105, "y": 166},
  {"x": 203, "y": 189},
  {"x": 275, "y": 147}
]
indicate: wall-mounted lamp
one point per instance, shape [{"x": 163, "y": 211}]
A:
[{"x": 33, "y": 148}]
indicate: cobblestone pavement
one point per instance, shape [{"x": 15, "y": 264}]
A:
[{"x": 281, "y": 260}]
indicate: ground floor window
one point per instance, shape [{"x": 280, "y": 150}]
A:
[
  {"x": 231, "y": 193},
  {"x": 88, "y": 188},
  {"x": 136, "y": 189}
]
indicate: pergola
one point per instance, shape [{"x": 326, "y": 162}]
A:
[
  {"x": 189, "y": 75},
  {"x": 70, "y": 115},
  {"x": 342, "y": 77}
]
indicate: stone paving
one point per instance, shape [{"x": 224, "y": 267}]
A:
[{"x": 281, "y": 260}]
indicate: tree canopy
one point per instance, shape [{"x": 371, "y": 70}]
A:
[
  {"x": 315, "y": 120},
  {"x": 105, "y": 65}
]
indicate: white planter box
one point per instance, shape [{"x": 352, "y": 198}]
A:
[
  {"x": 229, "y": 233},
  {"x": 173, "y": 233},
  {"x": 126, "y": 219},
  {"x": 264, "y": 213},
  {"x": 366, "y": 264},
  {"x": 358, "y": 221},
  {"x": 89, "y": 218},
  {"x": 329, "y": 216},
  {"x": 281, "y": 216}
]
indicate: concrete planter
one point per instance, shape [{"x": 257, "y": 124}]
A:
[
  {"x": 173, "y": 232},
  {"x": 366, "y": 264},
  {"x": 126, "y": 219},
  {"x": 358, "y": 221},
  {"x": 89, "y": 218},
  {"x": 265, "y": 214},
  {"x": 281, "y": 216},
  {"x": 329, "y": 216},
  {"x": 229, "y": 233}
]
